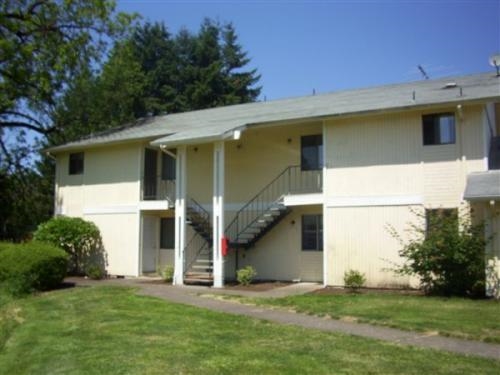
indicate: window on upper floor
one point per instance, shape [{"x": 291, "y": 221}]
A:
[
  {"x": 438, "y": 129},
  {"x": 76, "y": 163},
  {"x": 311, "y": 152},
  {"x": 167, "y": 233},
  {"x": 312, "y": 232},
  {"x": 167, "y": 167}
]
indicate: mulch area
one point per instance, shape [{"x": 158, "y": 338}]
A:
[
  {"x": 329, "y": 290},
  {"x": 258, "y": 286}
]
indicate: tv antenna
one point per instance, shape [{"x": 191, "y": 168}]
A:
[
  {"x": 422, "y": 71},
  {"x": 495, "y": 61}
]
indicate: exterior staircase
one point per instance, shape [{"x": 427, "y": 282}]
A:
[
  {"x": 262, "y": 224},
  {"x": 256, "y": 218},
  {"x": 199, "y": 269},
  {"x": 267, "y": 208}
]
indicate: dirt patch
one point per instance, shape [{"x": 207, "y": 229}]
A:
[{"x": 336, "y": 290}]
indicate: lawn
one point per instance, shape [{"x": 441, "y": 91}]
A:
[
  {"x": 457, "y": 317},
  {"x": 111, "y": 330}
]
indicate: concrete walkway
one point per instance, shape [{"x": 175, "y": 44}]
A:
[{"x": 190, "y": 295}]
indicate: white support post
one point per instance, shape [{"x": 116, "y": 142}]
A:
[
  {"x": 180, "y": 215},
  {"x": 218, "y": 214}
]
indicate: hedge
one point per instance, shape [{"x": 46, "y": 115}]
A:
[
  {"x": 79, "y": 238},
  {"x": 32, "y": 266}
]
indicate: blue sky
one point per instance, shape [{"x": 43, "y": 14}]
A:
[{"x": 327, "y": 46}]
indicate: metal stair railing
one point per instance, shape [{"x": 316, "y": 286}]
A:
[
  {"x": 292, "y": 180},
  {"x": 195, "y": 246},
  {"x": 201, "y": 218}
]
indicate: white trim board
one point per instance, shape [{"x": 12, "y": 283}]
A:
[
  {"x": 388, "y": 200},
  {"x": 303, "y": 199},
  {"x": 154, "y": 205},
  {"x": 108, "y": 210}
]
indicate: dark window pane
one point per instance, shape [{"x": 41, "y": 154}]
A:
[
  {"x": 167, "y": 167},
  {"x": 150, "y": 168},
  {"x": 438, "y": 129},
  {"x": 167, "y": 233},
  {"x": 76, "y": 161},
  {"x": 311, "y": 155},
  {"x": 312, "y": 232}
]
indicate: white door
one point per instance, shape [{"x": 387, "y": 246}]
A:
[{"x": 150, "y": 243}]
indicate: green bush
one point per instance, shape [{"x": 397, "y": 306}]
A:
[
  {"x": 245, "y": 275},
  {"x": 31, "y": 266},
  {"x": 354, "y": 280},
  {"x": 95, "y": 272},
  {"x": 79, "y": 238},
  {"x": 167, "y": 273},
  {"x": 447, "y": 254}
]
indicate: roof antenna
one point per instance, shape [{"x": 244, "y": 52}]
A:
[
  {"x": 495, "y": 61},
  {"x": 422, "y": 71}
]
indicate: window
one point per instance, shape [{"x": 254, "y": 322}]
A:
[
  {"x": 312, "y": 232},
  {"x": 311, "y": 152},
  {"x": 434, "y": 218},
  {"x": 167, "y": 167},
  {"x": 167, "y": 233},
  {"x": 438, "y": 129},
  {"x": 76, "y": 163}
]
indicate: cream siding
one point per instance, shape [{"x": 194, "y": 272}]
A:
[
  {"x": 120, "y": 235},
  {"x": 359, "y": 238},
  {"x": 377, "y": 162},
  {"x": 278, "y": 255},
  {"x": 107, "y": 194}
]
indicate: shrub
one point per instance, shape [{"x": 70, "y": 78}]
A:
[
  {"x": 447, "y": 254},
  {"x": 95, "y": 272},
  {"x": 79, "y": 238},
  {"x": 31, "y": 266},
  {"x": 354, "y": 280},
  {"x": 168, "y": 273},
  {"x": 245, "y": 275}
]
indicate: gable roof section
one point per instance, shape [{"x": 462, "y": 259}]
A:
[{"x": 218, "y": 123}]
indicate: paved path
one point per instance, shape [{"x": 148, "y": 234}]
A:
[{"x": 190, "y": 295}]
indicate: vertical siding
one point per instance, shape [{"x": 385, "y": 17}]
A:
[
  {"x": 384, "y": 156},
  {"x": 111, "y": 177},
  {"x": 359, "y": 239},
  {"x": 279, "y": 256},
  {"x": 120, "y": 235}
]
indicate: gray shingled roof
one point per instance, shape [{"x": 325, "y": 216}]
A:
[
  {"x": 483, "y": 186},
  {"x": 218, "y": 123}
]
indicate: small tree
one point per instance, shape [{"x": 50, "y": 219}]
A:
[
  {"x": 245, "y": 275},
  {"x": 79, "y": 238},
  {"x": 447, "y": 254},
  {"x": 354, "y": 280}
]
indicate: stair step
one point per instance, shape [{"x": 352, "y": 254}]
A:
[
  {"x": 241, "y": 241},
  {"x": 204, "y": 268},
  {"x": 198, "y": 281},
  {"x": 203, "y": 260},
  {"x": 199, "y": 275}
]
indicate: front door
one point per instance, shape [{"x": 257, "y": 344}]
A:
[{"x": 150, "y": 245}]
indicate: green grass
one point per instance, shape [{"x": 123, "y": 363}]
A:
[
  {"x": 457, "y": 317},
  {"x": 111, "y": 330}
]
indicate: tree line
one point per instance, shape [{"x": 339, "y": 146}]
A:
[{"x": 73, "y": 68}]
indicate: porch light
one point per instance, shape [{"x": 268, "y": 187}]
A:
[{"x": 236, "y": 134}]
